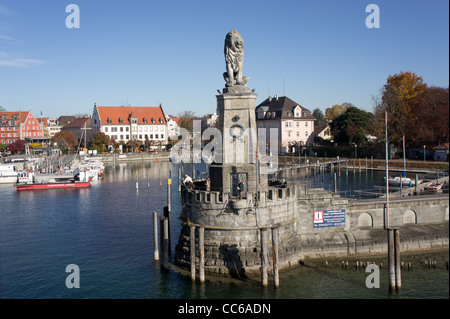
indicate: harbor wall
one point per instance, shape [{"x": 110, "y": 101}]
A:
[{"x": 232, "y": 227}]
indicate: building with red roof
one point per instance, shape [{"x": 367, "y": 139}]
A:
[
  {"x": 19, "y": 126},
  {"x": 125, "y": 123}
]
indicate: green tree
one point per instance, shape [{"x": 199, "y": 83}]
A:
[
  {"x": 352, "y": 126},
  {"x": 319, "y": 117},
  {"x": 99, "y": 142}
]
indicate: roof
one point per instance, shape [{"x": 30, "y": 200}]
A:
[
  {"x": 443, "y": 146},
  {"x": 42, "y": 120},
  {"x": 22, "y": 116},
  {"x": 283, "y": 107},
  {"x": 79, "y": 122},
  {"x": 65, "y": 119},
  {"x": 110, "y": 115}
]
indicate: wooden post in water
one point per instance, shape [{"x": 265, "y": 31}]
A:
[
  {"x": 169, "y": 185},
  {"x": 276, "y": 278},
  {"x": 167, "y": 216},
  {"x": 192, "y": 251},
  {"x": 201, "y": 248},
  {"x": 264, "y": 275},
  {"x": 155, "y": 236},
  {"x": 391, "y": 259},
  {"x": 398, "y": 271},
  {"x": 164, "y": 224},
  {"x": 179, "y": 179}
]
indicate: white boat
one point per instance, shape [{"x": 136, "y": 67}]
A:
[
  {"x": 434, "y": 187},
  {"x": 8, "y": 174},
  {"x": 401, "y": 180}
]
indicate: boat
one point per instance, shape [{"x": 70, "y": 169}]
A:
[
  {"x": 401, "y": 180},
  {"x": 433, "y": 187},
  {"x": 8, "y": 174},
  {"x": 29, "y": 181}
]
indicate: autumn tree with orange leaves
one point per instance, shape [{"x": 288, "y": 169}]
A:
[{"x": 400, "y": 97}]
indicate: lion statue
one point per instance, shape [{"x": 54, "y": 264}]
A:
[{"x": 234, "y": 58}]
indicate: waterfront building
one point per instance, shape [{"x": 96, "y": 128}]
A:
[
  {"x": 294, "y": 122},
  {"x": 80, "y": 127},
  {"x": 53, "y": 128},
  {"x": 19, "y": 125},
  {"x": 125, "y": 123},
  {"x": 173, "y": 127}
]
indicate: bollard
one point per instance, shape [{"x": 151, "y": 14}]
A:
[
  {"x": 192, "y": 251},
  {"x": 264, "y": 275},
  {"x": 155, "y": 236},
  {"x": 201, "y": 248},
  {"x": 276, "y": 278}
]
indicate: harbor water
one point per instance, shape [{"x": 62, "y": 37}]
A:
[{"x": 107, "y": 231}]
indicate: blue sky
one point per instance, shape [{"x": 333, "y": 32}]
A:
[{"x": 143, "y": 53}]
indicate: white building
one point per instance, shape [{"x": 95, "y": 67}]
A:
[
  {"x": 295, "y": 124},
  {"x": 125, "y": 123}
]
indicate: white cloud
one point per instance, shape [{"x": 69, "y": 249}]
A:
[
  {"x": 4, "y": 37},
  {"x": 8, "y": 60}
]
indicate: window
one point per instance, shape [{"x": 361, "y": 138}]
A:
[
  {"x": 298, "y": 134},
  {"x": 306, "y": 133},
  {"x": 121, "y": 129},
  {"x": 151, "y": 136},
  {"x": 298, "y": 124},
  {"x": 121, "y": 137},
  {"x": 156, "y": 136},
  {"x": 162, "y": 136},
  {"x": 306, "y": 124},
  {"x": 127, "y": 136},
  {"x": 106, "y": 129}
]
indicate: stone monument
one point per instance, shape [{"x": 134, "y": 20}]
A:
[{"x": 240, "y": 204}]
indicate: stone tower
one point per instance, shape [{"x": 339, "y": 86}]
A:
[{"x": 238, "y": 172}]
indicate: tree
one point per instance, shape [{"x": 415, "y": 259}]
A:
[
  {"x": 18, "y": 146},
  {"x": 186, "y": 120},
  {"x": 333, "y": 112},
  {"x": 400, "y": 97},
  {"x": 319, "y": 117},
  {"x": 99, "y": 141},
  {"x": 66, "y": 140},
  {"x": 352, "y": 126},
  {"x": 432, "y": 116},
  {"x": 2, "y": 109}
]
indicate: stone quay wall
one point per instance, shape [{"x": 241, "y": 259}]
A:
[{"x": 232, "y": 227}]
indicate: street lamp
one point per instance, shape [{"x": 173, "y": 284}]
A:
[
  {"x": 355, "y": 151},
  {"x": 424, "y": 158}
]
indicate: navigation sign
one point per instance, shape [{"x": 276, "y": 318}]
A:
[{"x": 329, "y": 218}]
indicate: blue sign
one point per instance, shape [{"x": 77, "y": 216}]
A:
[{"x": 329, "y": 218}]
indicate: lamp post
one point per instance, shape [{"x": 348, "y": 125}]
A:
[{"x": 424, "y": 158}]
